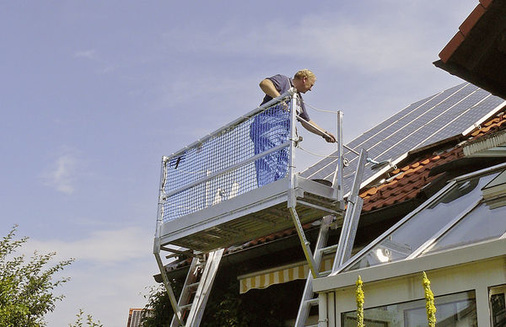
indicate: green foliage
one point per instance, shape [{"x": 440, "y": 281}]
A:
[
  {"x": 26, "y": 286},
  {"x": 88, "y": 321},
  {"x": 226, "y": 307},
  {"x": 159, "y": 308}
]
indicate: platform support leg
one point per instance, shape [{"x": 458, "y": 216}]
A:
[
  {"x": 168, "y": 288},
  {"x": 304, "y": 242}
]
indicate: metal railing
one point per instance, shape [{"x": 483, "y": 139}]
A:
[{"x": 250, "y": 152}]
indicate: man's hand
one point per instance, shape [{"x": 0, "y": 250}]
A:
[{"x": 329, "y": 137}]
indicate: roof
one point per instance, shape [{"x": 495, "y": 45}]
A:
[
  {"x": 409, "y": 181},
  {"x": 478, "y": 50}
]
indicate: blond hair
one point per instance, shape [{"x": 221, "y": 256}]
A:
[{"x": 304, "y": 73}]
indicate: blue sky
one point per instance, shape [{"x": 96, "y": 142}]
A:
[{"x": 93, "y": 94}]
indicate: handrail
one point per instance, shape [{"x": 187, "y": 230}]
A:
[
  {"x": 223, "y": 171},
  {"x": 235, "y": 122}
]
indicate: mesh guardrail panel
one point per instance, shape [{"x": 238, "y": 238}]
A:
[{"x": 231, "y": 162}]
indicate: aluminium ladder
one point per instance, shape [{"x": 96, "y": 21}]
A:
[
  {"x": 342, "y": 249},
  {"x": 190, "y": 307}
]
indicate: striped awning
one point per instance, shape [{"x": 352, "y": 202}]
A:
[{"x": 279, "y": 275}]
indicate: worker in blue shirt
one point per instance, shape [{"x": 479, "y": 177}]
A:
[{"x": 272, "y": 127}]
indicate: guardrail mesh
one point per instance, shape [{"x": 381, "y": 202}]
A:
[{"x": 230, "y": 162}]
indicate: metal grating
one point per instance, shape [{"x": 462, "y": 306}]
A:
[
  {"x": 222, "y": 166},
  {"x": 450, "y": 113}
]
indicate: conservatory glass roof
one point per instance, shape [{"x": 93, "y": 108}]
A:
[{"x": 470, "y": 209}]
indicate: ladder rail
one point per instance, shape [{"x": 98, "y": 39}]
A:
[
  {"x": 342, "y": 250},
  {"x": 351, "y": 217},
  {"x": 204, "y": 288},
  {"x": 189, "y": 309},
  {"x": 185, "y": 296},
  {"x": 308, "y": 294}
]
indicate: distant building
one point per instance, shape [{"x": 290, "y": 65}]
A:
[{"x": 134, "y": 317}]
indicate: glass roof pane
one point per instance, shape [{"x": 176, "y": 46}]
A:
[
  {"x": 481, "y": 224},
  {"x": 420, "y": 227}
]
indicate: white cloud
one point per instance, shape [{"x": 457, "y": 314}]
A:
[
  {"x": 388, "y": 36},
  {"x": 337, "y": 42},
  {"x": 102, "y": 247},
  {"x": 62, "y": 173},
  {"x": 87, "y": 54}
]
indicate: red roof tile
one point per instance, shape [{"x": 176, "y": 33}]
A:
[
  {"x": 485, "y": 3},
  {"x": 493, "y": 125},
  {"x": 464, "y": 30}
]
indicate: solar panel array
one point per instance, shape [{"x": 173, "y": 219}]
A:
[{"x": 450, "y": 113}]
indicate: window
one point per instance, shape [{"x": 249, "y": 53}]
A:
[
  {"x": 418, "y": 228},
  {"x": 481, "y": 224},
  {"x": 455, "y": 310},
  {"x": 498, "y": 306}
]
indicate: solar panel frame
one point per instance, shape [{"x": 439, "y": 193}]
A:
[{"x": 450, "y": 113}]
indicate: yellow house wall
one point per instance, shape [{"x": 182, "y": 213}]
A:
[{"x": 402, "y": 285}]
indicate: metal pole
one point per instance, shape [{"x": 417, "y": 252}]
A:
[
  {"x": 351, "y": 217},
  {"x": 168, "y": 288},
  {"x": 291, "y": 158},
  {"x": 323, "y": 320},
  {"x": 338, "y": 175}
]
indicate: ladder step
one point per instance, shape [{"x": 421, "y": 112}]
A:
[
  {"x": 325, "y": 273},
  {"x": 312, "y": 302},
  {"x": 190, "y": 286},
  {"x": 186, "y": 307},
  {"x": 329, "y": 249}
]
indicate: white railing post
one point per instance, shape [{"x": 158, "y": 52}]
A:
[{"x": 293, "y": 136}]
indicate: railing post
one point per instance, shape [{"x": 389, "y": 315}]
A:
[
  {"x": 292, "y": 200},
  {"x": 338, "y": 174},
  {"x": 293, "y": 135}
]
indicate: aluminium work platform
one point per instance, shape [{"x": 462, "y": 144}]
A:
[
  {"x": 240, "y": 183},
  {"x": 212, "y": 194}
]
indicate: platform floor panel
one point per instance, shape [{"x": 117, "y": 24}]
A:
[{"x": 258, "y": 213}]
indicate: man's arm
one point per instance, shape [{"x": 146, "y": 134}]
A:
[
  {"x": 314, "y": 128},
  {"x": 268, "y": 88}
]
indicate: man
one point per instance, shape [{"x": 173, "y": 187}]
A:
[{"x": 272, "y": 127}]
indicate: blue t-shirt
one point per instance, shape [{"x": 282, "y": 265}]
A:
[{"x": 283, "y": 83}]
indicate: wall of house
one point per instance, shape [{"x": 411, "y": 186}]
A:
[{"x": 478, "y": 275}]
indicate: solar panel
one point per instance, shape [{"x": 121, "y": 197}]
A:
[{"x": 455, "y": 111}]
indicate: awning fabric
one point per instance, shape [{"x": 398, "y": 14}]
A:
[{"x": 279, "y": 275}]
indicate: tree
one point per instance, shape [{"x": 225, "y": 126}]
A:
[
  {"x": 26, "y": 286},
  {"x": 159, "y": 308},
  {"x": 81, "y": 320}
]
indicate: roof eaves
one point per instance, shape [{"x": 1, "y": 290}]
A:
[{"x": 464, "y": 30}]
